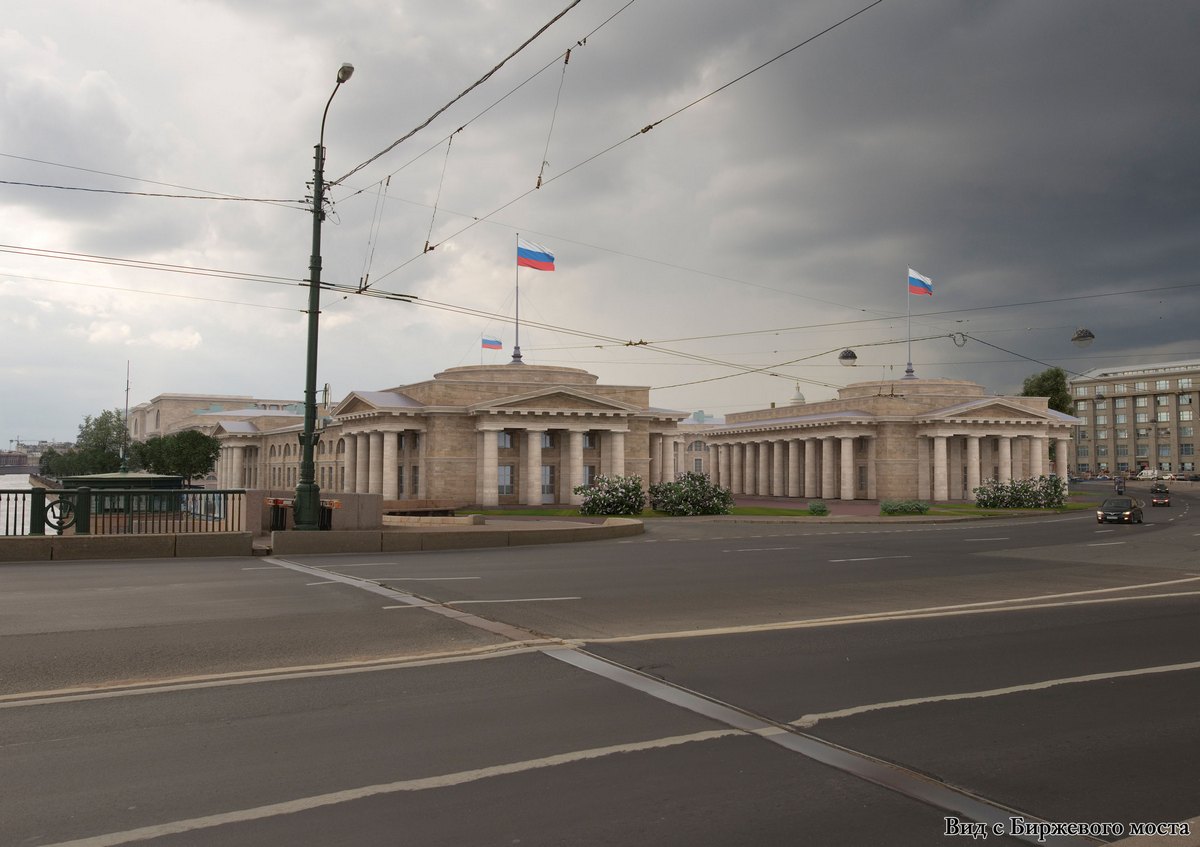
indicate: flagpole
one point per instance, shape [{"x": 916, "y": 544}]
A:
[
  {"x": 908, "y": 372},
  {"x": 516, "y": 356}
]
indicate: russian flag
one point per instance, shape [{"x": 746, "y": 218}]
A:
[
  {"x": 492, "y": 344},
  {"x": 530, "y": 255},
  {"x": 918, "y": 284}
]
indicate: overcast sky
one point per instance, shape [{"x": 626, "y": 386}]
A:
[{"x": 1037, "y": 160}]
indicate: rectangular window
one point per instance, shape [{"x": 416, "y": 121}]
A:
[
  {"x": 1162, "y": 417},
  {"x": 1122, "y": 450},
  {"x": 400, "y": 479},
  {"x": 1142, "y": 432},
  {"x": 1121, "y": 388},
  {"x": 1081, "y": 391},
  {"x": 1082, "y": 451},
  {"x": 1143, "y": 451},
  {"x": 1139, "y": 386},
  {"x": 1185, "y": 383},
  {"x": 1162, "y": 384},
  {"x": 504, "y": 440},
  {"x": 1142, "y": 417},
  {"x": 1120, "y": 418},
  {"x": 1101, "y": 450},
  {"x": 1187, "y": 466},
  {"x": 1081, "y": 406},
  {"x": 698, "y": 465},
  {"x": 1102, "y": 435},
  {"x": 416, "y": 479},
  {"x": 547, "y": 443},
  {"x": 1162, "y": 399},
  {"x": 1084, "y": 435},
  {"x": 401, "y": 441},
  {"x": 1101, "y": 403},
  {"x": 1101, "y": 420},
  {"x": 1122, "y": 466},
  {"x": 1141, "y": 402},
  {"x": 1185, "y": 432},
  {"x": 1185, "y": 399},
  {"x": 1119, "y": 403},
  {"x": 548, "y": 480},
  {"x": 1185, "y": 414},
  {"x": 1164, "y": 432},
  {"x": 589, "y": 443},
  {"x": 1187, "y": 449},
  {"x": 1122, "y": 433},
  {"x": 589, "y": 474},
  {"x": 504, "y": 477},
  {"x": 1164, "y": 451},
  {"x": 1084, "y": 467}
]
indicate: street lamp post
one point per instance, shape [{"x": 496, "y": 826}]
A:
[{"x": 308, "y": 494}]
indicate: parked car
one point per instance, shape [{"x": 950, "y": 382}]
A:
[
  {"x": 1119, "y": 510},
  {"x": 1160, "y": 495}
]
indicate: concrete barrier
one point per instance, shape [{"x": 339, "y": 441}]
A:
[
  {"x": 113, "y": 547},
  {"x": 432, "y": 520},
  {"x": 400, "y": 542},
  {"x": 464, "y": 540},
  {"x": 204, "y": 545},
  {"x": 347, "y": 541},
  {"x": 26, "y": 549}
]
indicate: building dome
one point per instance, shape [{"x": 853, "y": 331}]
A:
[{"x": 797, "y": 398}]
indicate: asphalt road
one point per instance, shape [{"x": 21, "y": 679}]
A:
[{"x": 709, "y": 683}]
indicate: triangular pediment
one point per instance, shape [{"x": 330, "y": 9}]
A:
[
  {"x": 555, "y": 399},
  {"x": 366, "y": 402},
  {"x": 989, "y": 409}
]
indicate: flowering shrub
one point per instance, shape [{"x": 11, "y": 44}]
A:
[
  {"x": 612, "y": 495},
  {"x": 903, "y": 507},
  {"x": 691, "y": 494},
  {"x": 1045, "y": 492},
  {"x": 817, "y": 507}
]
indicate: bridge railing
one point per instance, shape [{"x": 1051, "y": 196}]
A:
[{"x": 84, "y": 511}]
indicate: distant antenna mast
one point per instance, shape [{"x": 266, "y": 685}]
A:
[{"x": 125, "y": 440}]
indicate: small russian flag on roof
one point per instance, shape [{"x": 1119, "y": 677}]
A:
[
  {"x": 492, "y": 344},
  {"x": 530, "y": 255}
]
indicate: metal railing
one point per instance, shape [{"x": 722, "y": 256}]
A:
[{"x": 83, "y": 511}]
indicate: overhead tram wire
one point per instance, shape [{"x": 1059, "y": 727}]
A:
[
  {"x": 225, "y": 197},
  {"x": 461, "y": 95},
  {"x": 140, "y": 264},
  {"x": 645, "y": 129},
  {"x": 152, "y": 293}
]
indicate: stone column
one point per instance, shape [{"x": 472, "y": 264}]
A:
[
  {"x": 941, "y": 481},
  {"x": 777, "y": 480},
  {"x": 239, "y": 468},
  {"x": 924, "y": 464},
  {"x": 714, "y": 464},
  {"x": 795, "y": 483},
  {"x": 489, "y": 491},
  {"x": 422, "y": 491},
  {"x": 391, "y": 462},
  {"x": 375, "y": 472},
  {"x": 872, "y": 477},
  {"x": 656, "y": 459},
  {"x": 1037, "y": 453},
  {"x": 812, "y": 468},
  {"x": 616, "y": 443},
  {"x": 1005, "y": 460},
  {"x": 849, "y": 482},
  {"x": 828, "y": 468},
  {"x": 678, "y": 456},
  {"x": 576, "y": 468},
  {"x": 973, "y": 467},
  {"x": 531, "y": 488},
  {"x": 763, "y": 476},
  {"x": 736, "y": 481},
  {"x": 362, "y": 469},
  {"x": 1062, "y": 460},
  {"x": 350, "y": 463},
  {"x": 749, "y": 475}
]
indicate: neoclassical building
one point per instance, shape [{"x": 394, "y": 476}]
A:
[
  {"x": 486, "y": 435},
  {"x": 926, "y": 439}
]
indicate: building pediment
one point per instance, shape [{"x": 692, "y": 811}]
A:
[
  {"x": 555, "y": 400},
  {"x": 368, "y": 402},
  {"x": 991, "y": 409}
]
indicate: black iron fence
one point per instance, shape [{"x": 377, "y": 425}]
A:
[{"x": 83, "y": 511}]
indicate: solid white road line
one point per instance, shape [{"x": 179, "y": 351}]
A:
[
  {"x": 1106, "y": 544},
  {"x": 809, "y": 721},
  {"x": 290, "y": 807},
  {"x": 870, "y": 558},
  {"x": 511, "y": 600}
]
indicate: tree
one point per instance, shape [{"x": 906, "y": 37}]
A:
[
  {"x": 97, "y": 449},
  {"x": 1050, "y": 383},
  {"x": 188, "y": 454}
]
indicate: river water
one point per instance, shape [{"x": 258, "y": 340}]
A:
[{"x": 14, "y": 508}]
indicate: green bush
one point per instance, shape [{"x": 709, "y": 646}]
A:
[
  {"x": 817, "y": 507},
  {"x": 691, "y": 494},
  {"x": 612, "y": 495},
  {"x": 903, "y": 507},
  {"x": 1045, "y": 492}
]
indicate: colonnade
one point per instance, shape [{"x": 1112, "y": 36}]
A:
[
  {"x": 523, "y": 474},
  {"x": 826, "y": 467}
]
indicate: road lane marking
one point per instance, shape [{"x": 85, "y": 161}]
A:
[
  {"x": 421, "y": 578},
  {"x": 268, "y": 568},
  {"x": 894, "y": 777},
  {"x": 1105, "y": 543},
  {"x": 1005, "y": 538},
  {"x": 984, "y": 606},
  {"x": 326, "y": 582},
  {"x": 759, "y": 549},
  {"x": 512, "y": 600},
  {"x": 870, "y": 558},
  {"x": 809, "y": 721},
  {"x": 302, "y": 804}
]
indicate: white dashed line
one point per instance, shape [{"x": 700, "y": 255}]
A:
[
  {"x": 870, "y": 558},
  {"x": 1106, "y": 544},
  {"x": 514, "y": 600}
]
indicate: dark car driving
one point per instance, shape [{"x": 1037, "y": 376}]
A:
[
  {"x": 1119, "y": 510},
  {"x": 1160, "y": 495}
]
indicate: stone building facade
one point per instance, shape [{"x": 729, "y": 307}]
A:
[
  {"x": 927, "y": 439},
  {"x": 488, "y": 435}
]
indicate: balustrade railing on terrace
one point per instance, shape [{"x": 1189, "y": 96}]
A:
[{"x": 83, "y": 511}]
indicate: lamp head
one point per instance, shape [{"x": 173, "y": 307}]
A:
[
  {"x": 847, "y": 358},
  {"x": 1083, "y": 337},
  {"x": 345, "y": 72}
]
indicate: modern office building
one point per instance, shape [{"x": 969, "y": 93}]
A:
[{"x": 1135, "y": 418}]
